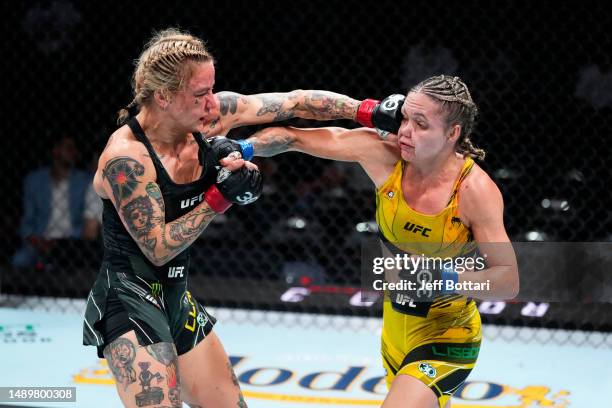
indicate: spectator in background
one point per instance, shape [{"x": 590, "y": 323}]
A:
[
  {"x": 92, "y": 214},
  {"x": 55, "y": 205}
]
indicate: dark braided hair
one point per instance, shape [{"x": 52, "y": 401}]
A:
[{"x": 456, "y": 102}]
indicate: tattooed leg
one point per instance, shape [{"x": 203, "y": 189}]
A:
[
  {"x": 120, "y": 355},
  {"x": 165, "y": 353},
  {"x": 241, "y": 402},
  {"x": 145, "y": 376}
]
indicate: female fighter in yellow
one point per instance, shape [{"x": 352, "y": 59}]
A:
[{"x": 430, "y": 193}]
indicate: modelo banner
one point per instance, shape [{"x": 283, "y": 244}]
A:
[{"x": 350, "y": 385}]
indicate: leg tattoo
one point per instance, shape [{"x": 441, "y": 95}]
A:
[
  {"x": 120, "y": 355},
  {"x": 149, "y": 395}
]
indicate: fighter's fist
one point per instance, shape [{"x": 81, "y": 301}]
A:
[
  {"x": 222, "y": 147},
  {"x": 385, "y": 115},
  {"x": 242, "y": 186}
]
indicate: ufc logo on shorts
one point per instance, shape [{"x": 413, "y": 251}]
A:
[
  {"x": 402, "y": 299},
  {"x": 191, "y": 201},
  {"x": 176, "y": 271}
]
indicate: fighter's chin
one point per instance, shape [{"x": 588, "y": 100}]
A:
[{"x": 407, "y": 154}]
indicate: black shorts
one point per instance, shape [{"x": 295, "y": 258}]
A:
[{"x": 157, "y": 312}]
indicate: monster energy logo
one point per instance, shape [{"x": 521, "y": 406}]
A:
[{"x": 156, "y": 289}]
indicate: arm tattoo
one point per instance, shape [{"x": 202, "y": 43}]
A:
[
  {"x": 187, "y": 228},
  {"x": 270, "y": 142},
  {"x": 210, "y": 127},
  {"x": 154, "y": 192},
  {"x": 213, "y": 123},
  {"x": 320, "y": 105},
  {"x": 138, "y": 215},
  {"x": 328, "y": 105},
  {"x": 122, "y": 173},
  {"x": 228, "y": 102},
  {"x": 274, "y": 104},
  {"x": 120, "y": 355},
  {"x": 141, "y": 217},
  {"x": 141, "y": 220}
]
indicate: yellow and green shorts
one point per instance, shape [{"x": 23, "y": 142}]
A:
[{"x": 440, "y": 351}]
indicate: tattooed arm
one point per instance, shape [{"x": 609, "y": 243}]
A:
[
  {"x": 364, "y": 146},
  {"x": 240, "y": 110},
  {"x": 127, "y": 177}
]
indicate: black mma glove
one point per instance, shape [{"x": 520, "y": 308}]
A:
[
  {"x": 385, "y": 115},
  {"x": 222, "y": 147},
  {"x": 241, "y": 187}
]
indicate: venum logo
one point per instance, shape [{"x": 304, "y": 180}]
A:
[
  {"x": 427, "y": 369},
  {"x": 393, "y": 101},
  {"x": 456, "y": 222},
  {"x": 247, "y": 198},
  {"x": 191, "y": 201},
  {"x": 175, "y": 271},
  {"x": 410, "y": 227}
]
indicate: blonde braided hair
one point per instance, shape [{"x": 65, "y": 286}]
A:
[
  {"x": 455, "y": 100},
  {"x": 164, "y": 65}
]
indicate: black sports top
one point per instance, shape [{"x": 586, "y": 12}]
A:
[{"x": 179, "y": 199}]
